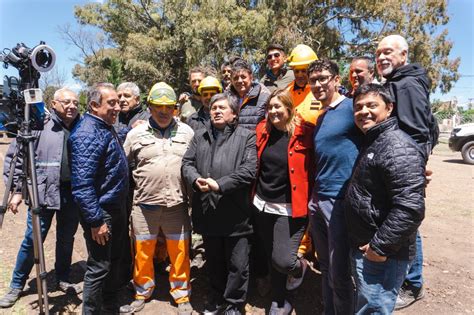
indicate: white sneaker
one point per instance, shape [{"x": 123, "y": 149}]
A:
[
  {"x": 285, "y": 310},
  {"x": 293, "y": 283}
]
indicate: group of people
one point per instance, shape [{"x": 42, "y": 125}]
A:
[{"x": 260, "y": 169}]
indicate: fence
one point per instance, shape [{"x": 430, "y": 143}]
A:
[{"x": 448, "y": 120}]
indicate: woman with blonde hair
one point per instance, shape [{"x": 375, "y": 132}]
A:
[{"x": 282, "y": 191}]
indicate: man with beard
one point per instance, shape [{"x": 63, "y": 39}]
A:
[{"x": 409, "y": 86}]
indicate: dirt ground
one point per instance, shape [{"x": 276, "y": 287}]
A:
[{"x": 447, "y": 233}]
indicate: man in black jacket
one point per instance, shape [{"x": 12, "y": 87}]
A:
[
  {"x": 409, "y": 87},
  {"x": 131, "y": 110},
  {"x": 384, "y": 202}
]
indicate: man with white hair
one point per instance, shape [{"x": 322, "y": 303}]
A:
[
  {"x": 409, "y": 87},
  {"x": 131, "y": 111},
  {"x": 55, "y": 196}
]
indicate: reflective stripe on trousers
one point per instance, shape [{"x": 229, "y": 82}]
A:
[{"x": 179, "y": 276}]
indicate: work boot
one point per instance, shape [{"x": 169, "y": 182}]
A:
[
  {"x": 9, "y": 299},
  {"x": 135, "y": 307},
  {"x": 408, "y": 295}
]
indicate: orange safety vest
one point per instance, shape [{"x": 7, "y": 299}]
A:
[{"x": 305, "y": 104}]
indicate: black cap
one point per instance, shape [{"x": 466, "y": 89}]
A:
[{"x": 275, "y": 46}]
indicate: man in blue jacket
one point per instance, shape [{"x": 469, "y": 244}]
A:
[
  {"x": 54, "y": 190},
  {"x": 100, "y": 186}
]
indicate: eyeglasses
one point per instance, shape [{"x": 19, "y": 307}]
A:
[
  {"x": 226, "y": 71},
  {"x": 67, "y": 102},
  {"x": 324, "y": 79},
  {"x": 276, "y": 55}
]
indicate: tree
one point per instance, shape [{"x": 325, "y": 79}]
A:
[
  {"x": 50, "y": 82},
  {"x": 160, "y": 40}
]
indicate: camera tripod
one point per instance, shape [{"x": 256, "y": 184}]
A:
[{"x": 25, "y": 153}]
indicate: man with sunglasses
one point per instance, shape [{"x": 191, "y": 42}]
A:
[
  {"x": 209, "y": 87},
  {"x": 277, "y": 76},
  {"x": 336, "y": 146},
  {"x": 54, "y": 190}
]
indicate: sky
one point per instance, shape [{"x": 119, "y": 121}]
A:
[{"x": 30, "y": 21}]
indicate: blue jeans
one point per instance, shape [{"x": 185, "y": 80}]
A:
[
  {"x": 377, "y": 283},
  {"x": 67, "y": 220},
  {"x": 414, "y": 277},
  {"x": 329, "y": 232}
]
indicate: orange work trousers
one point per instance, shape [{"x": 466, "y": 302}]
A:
[{"x": 174, "y": 222}]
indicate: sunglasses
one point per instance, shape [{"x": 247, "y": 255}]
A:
[{"x": 276, "y": 55}]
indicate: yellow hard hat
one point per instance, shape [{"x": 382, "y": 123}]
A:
[
  {"x": 161, "y": 94},
  {"x": 302, "y": 55},
  {"x": 209, "y": 83}
]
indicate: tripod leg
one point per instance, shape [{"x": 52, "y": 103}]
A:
[
  {"x": 38, "y": 242},
  {"x": 8, "y": 188}
]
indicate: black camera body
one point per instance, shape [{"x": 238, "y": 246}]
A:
[{"x": 29, "y": 62}]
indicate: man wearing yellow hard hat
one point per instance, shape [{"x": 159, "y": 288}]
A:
[
  {"x": 208, "y": 87},
  {"x": 160, "y": 200},
  {"x": 305, "y": 104}
]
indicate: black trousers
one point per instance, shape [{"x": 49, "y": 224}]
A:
[
  {"x": 227, "y": 260},
  {"x": 102, "y": 279},
  {"x": 281, "y": 236}
]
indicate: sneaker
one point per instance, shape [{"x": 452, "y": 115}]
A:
[
  {"x": 407, "y": 296},
  {"x": 292, "y": 282},
  {"x": 135, "y": 307},
  {"x": 285, "y": 310},
  {"x": 185, "y": 308},
  {"x": 69, "y": 288},
  {"x": 9, "y": 299}
]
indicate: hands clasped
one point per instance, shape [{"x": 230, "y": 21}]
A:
[{"x": 207, "y": 184}]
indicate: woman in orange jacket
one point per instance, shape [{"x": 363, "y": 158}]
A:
[{"x": 282, "y": 191}]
